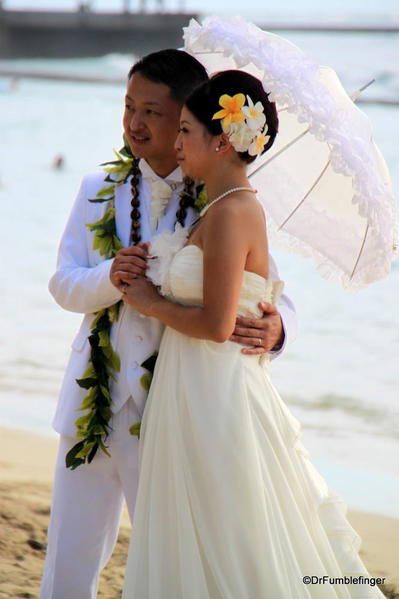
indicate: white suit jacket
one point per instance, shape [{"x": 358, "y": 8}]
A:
[{"x": 81, "y": 283}]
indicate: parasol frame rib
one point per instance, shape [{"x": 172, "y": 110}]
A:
[
  {"x": 360, "y": 251},
  {"x": 291, "y": 143},
  {"x": 306, "y": 195}
]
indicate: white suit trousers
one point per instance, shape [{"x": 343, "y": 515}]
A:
[{"x": 86, "y": 510}]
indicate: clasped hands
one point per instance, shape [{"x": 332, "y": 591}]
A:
[{"x": 128, "y": 273}]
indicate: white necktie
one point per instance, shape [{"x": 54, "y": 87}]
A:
[{"x": 160, "y": 195}]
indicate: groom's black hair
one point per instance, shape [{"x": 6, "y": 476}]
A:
[{"x": 177, "y": 69}]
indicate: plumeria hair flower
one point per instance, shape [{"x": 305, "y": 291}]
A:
[
  {"x": 244, "y": 124},
  {"x": 231, "y": 110}
]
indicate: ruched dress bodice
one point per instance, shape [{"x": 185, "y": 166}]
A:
[{"x": 186, "y": 283}]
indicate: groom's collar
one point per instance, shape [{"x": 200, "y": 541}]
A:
[{"x": 175, "y": 176}]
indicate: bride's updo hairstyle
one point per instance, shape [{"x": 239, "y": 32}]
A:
[{"x": 203, "y": 103}]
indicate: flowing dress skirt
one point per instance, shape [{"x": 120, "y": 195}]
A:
[{"x": 229, "y": 504}]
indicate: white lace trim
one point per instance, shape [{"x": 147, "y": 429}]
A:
[{"x": 296, "y": 83}]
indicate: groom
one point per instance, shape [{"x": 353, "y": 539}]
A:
[{"x": 87, "y": 501}]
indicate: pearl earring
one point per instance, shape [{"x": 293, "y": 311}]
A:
[{"x": 217, "y": 149}]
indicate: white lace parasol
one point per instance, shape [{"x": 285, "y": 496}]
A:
[{"x": 324, "y": 184}]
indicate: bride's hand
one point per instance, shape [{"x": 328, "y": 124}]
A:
[{"x": 141, "y": 294}]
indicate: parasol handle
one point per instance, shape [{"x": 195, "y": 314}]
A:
[{"x": 357, "y": 93}]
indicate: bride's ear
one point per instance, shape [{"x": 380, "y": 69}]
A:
[{"x": 222, "y": 143}]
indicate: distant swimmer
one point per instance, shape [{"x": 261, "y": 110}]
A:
[
  {"x": 58, "y": 162},
  {"x": 13, "y": 84},
  {"x": 9, "y": 85}
]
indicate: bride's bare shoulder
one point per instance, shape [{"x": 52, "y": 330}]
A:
[{"x": 243, "y": 212}]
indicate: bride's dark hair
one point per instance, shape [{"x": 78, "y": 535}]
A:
[{"x": 204, "y": 102}]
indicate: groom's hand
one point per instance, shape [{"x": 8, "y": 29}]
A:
[
  {"x": 129, "y": 263},
  {"x": 264, "y": 334}
]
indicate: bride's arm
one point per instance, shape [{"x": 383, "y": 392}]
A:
[{"x": 226, "y": 241}]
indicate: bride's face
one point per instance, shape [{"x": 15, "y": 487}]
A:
[{"x": 195, "y": 146}]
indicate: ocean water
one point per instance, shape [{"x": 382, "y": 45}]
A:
[{"x": 340, "y": 378}]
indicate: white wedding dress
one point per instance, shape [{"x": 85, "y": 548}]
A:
[{"x": 229, "y": 505}]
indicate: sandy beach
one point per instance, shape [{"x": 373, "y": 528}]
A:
[{"x": 27, "y": 463}]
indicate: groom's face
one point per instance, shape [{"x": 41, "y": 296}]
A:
[{"x": 151, "y": 122}]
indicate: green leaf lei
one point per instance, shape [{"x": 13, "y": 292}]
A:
[{"x": 93, "y": 427}]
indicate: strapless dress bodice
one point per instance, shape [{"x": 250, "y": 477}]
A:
[{"x": 186, "y": 283}]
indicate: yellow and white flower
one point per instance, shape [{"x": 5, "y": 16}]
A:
[
  {"x": 231, "y": 110},
  {"x": 258, "y": 143},
  {"x": 240, "y": 136},
  {"x": 254, "y": 113},
  {"x": 245, "y": 125}
]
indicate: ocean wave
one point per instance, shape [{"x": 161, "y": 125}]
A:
[{"x": 346, "y": 413}]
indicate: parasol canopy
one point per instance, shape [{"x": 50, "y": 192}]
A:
[{"x": 324, "y": 184}]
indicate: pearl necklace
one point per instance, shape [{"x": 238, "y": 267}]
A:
[{"x": 223, "y": 195}]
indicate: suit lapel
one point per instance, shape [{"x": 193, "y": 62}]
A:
[{"x": 122, "y": 212}]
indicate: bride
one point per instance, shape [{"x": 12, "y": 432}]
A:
[{"x": 229, "y": 505}]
